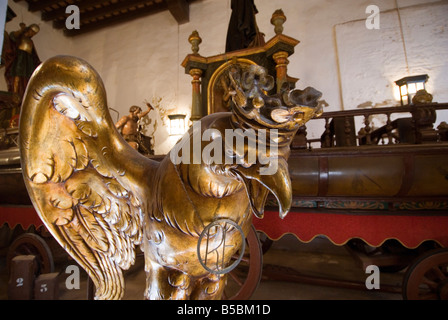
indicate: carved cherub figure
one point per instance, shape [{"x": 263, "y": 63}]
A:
[{"x": 129, "y": 124}]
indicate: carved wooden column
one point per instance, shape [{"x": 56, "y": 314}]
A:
[
  {"x": 281, "y": 60},
  {"x": 196, "y": 73},
  {"x": 280, "y": 57},
  {"x": 273, "y": 55},
  {"x": 367, "y": 130},
  {"x": 347, "y": 131},
  {"x": 327, "y": 135},
  {"x": 196, "y": 104}
]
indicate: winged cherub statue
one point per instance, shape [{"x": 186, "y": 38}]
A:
[{"x": 100, "y": 198}]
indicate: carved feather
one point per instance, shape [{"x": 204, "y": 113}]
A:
[{"x": 91, "y": 197}]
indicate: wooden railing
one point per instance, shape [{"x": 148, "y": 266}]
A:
[{"x": 414, "y": 124}]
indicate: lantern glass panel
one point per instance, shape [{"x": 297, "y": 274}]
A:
[
  {"x": 420, "y": 86},
  {"x": 403, "y": 90},
  {"x": 177, "y": 124}
]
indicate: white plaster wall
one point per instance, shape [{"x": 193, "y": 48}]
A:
[
  {"x": 371, "y": 60},
  {"x": 141, "y": 59}
]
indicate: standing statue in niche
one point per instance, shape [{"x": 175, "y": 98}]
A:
[
  {"x": 243, "y": 30},
  {"x": 20, "y": 59},
  {"x": 130, "y": 129}
]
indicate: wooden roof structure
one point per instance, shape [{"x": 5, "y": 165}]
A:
[{"x": 97, "y": 14}]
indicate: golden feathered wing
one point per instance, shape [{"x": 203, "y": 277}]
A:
[{"x": 87, "y": 184}]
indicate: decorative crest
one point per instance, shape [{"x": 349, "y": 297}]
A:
[{"x": 254, "y": 107}]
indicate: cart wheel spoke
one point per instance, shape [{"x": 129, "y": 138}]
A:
[
  {"x": 427, "y": 277},
  {"x": 236, "y": 278},
  {"x": 430, "y": 283},
  {"x": 242, "y": 281},
  {"x": 438, "y": 273}
]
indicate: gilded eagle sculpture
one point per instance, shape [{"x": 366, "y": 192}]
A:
[{"x": 101, "y": 199}]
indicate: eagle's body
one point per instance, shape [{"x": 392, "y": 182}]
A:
[{"x": 190, "y": 197}]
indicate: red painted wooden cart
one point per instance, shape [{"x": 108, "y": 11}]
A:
[{"x": 367, "y": 195}]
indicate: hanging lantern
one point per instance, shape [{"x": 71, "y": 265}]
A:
[
  {"x": 408, "y": 87},
  {"x": 177, "y": 124}
]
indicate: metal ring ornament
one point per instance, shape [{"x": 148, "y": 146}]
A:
[{"x": 220, "y": 269}]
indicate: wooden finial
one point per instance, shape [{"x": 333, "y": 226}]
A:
[
  {"x": 195, "y": 40},
  {"x": 278, "y": 19}
]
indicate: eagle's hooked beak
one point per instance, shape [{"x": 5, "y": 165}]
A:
[{"x": 258, "y": 186}]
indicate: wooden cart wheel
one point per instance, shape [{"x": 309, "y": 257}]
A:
[
  {"x": 32, "y": 244},
  {"x": 244, "y": 279},
  {"x": 427, "y": 277}
]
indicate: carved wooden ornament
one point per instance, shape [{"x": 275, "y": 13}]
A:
[{"x": 100, "y": 198}]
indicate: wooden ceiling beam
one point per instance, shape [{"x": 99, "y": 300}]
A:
[
  {"x": 60, "y": 13},
  {"x": 95, "y": 14},
  {"x": 42, "y": 4},
  {"x": 107, "y": 22},
  {"x": 103, "y": 11},
  {"x": 180, "y": 10}
]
